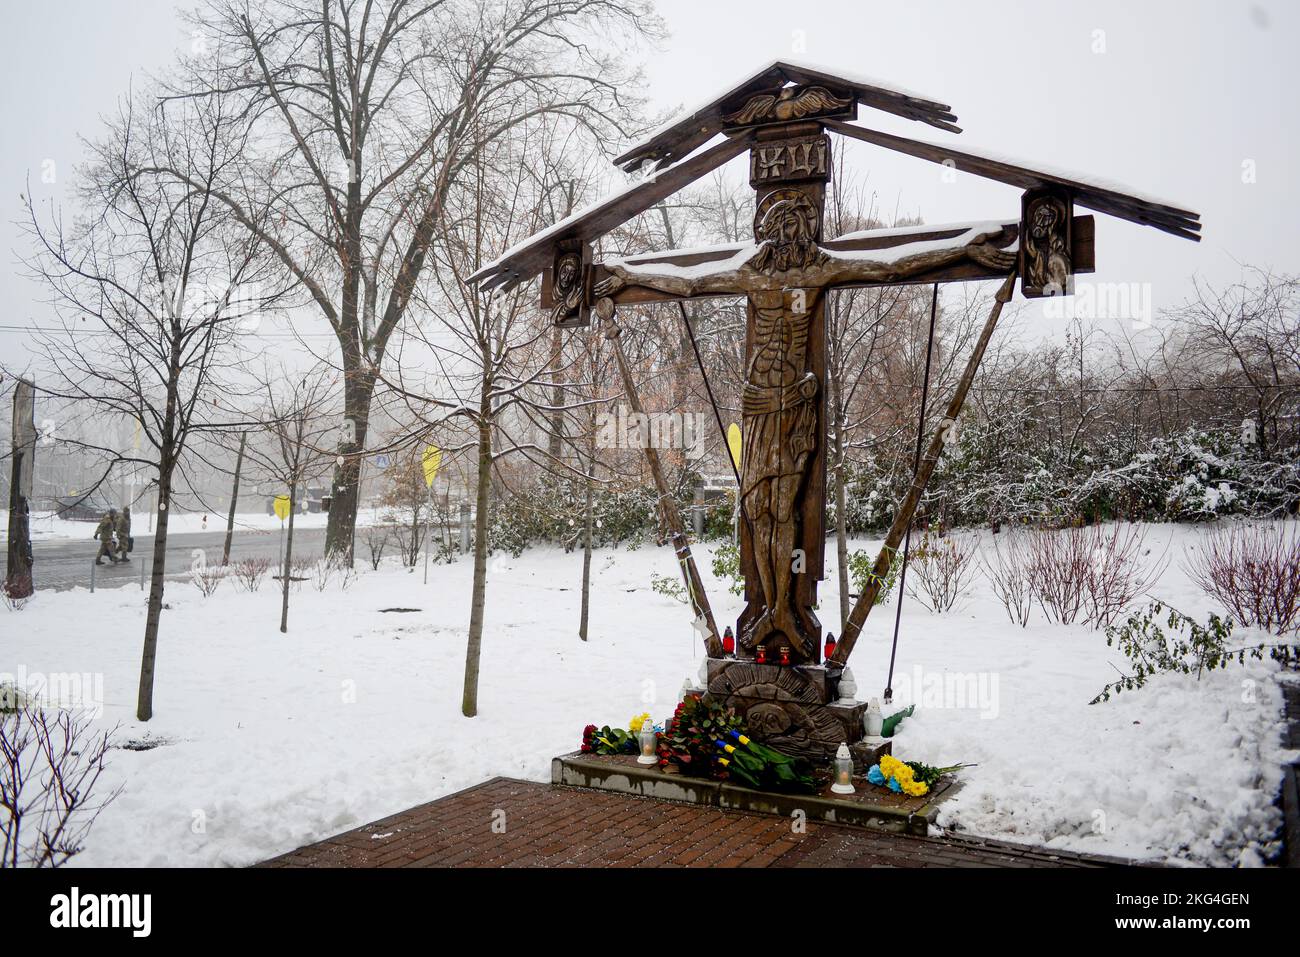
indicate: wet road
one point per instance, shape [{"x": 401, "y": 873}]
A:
[{"x": 66, "y": 563}]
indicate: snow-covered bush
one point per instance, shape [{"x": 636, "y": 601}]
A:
[
  {"x": 1254, "y": 572},
  {"x": 1007, "y": 570},
  {"x": 726, "y": 567},
  {"x": 861, "y": 572},
  {"x": 552, "y": 511},
  {"x": 994, "y": 476},
  {"x": 1088, "y": 574},
  {"x": 248, "y": 573},
  {"x": 1060, "y": 561},
  {"x": 1119, "y": 573},
  {"x": 672, "y": 588},
  {"x": 1186, "y": 647},
  {"x": 376, "y": 539},
  {"x": 941, "y": 570},
  {"x": 207, "y": 578},
  {"x": 50, "y": 763}
]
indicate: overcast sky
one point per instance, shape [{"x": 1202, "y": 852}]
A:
[{"x": 1184, "y": 100}]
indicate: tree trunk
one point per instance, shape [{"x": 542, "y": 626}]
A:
[
  {"x": 288, "y": 559},
  {"x": 469, "y": 700},
  {"x": 234, "y": 498},
  {"x": 340, "y": 528},
  {"x": 157, "y": 579}
]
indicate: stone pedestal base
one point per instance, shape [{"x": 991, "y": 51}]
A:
[{"x": 794, "y": 709}]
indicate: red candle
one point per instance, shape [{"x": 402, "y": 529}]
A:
[
  {"x": 760, "y": 655},
  {"x": 728, "y": 642},
  {"x": 830, "y": 645},
  {"x": 785, "y": 656}
]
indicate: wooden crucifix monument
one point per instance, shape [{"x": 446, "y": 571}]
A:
[{"x": 781, "y": 116}]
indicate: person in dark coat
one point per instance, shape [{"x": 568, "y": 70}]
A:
[{"x": 122, "y": 528}]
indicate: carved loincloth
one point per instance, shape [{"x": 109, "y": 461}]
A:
[{"x": 780, "y": 431}]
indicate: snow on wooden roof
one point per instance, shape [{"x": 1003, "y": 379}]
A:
[
  {"x": 525, "y": 260},
  {"x": 677, "y": 157},
  {"x": 1102, "y": 195},
  {"x": 687, "y": 131}
]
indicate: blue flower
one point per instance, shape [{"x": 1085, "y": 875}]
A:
[
  {"x": 875, "y": 776},
  {"x": 895, "y": 786}
]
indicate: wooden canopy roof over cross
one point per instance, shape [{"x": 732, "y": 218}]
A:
[{"x": 679, "y": 153}]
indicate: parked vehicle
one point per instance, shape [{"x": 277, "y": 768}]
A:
[{"x": 314, "y": 499}]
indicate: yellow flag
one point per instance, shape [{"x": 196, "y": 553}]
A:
[
  {"x": 432, "y": 459},
  {"x": 733, "y": 443},
  {"x": 281, "y": 507}
]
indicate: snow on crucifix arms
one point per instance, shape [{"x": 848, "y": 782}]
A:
[{"x": 858, "y": 259}]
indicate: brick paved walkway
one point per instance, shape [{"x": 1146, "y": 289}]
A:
[{"x": 550, "y": 826}]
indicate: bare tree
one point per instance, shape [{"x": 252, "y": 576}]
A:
[
  {"x": 1250, "y": 328},
  {"x": 363, "y": 116},
  {"x": 299, "y": 417},
  {"x": 493, "y": 368},
  {"x": 150, "y": 287}
]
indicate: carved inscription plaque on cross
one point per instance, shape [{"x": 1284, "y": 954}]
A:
[{"x": 790, "y": 160}]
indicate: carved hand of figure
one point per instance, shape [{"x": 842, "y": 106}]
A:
[
  {"x": 808, "y": 386},
  {"x": 611, "y": 285},
  {"x": 990, "y": 256}
]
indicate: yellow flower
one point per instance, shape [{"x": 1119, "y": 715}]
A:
[
  {"x": 891, "y": 767},
  {"x": 636, "y": 723}
]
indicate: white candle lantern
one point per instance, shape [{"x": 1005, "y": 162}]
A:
[
  {"x": 649, "y": 741},
  {"x": 873, "y": 722},
  {"x": 848, "y": 688},
  {"x": 843, "y": 770}
]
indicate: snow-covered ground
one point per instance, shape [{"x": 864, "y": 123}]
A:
[{"x": 270, "y": 741}]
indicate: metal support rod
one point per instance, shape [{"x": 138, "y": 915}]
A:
[
  {"x": 668, "y": 505},
  {"x": 903, "y": 520},
  {"x": 916, "y": 465}
]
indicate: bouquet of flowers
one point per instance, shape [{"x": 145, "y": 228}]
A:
[
  {"x": 687, "y": 742},
  {"x": 907, "y": 777},
  {"x": 758, "y": 766},
  {"x": 609, "y": 740},
  {"x": 705, "y": 738}
]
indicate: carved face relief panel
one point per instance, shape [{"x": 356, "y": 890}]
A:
[
  {"x": 1046, "y": 268},
  {"x": 567, "y": 299},
  {"x": 786, "y": 221}
]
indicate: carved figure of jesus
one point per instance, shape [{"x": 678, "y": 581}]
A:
[{"x": 784, "y": 276}]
